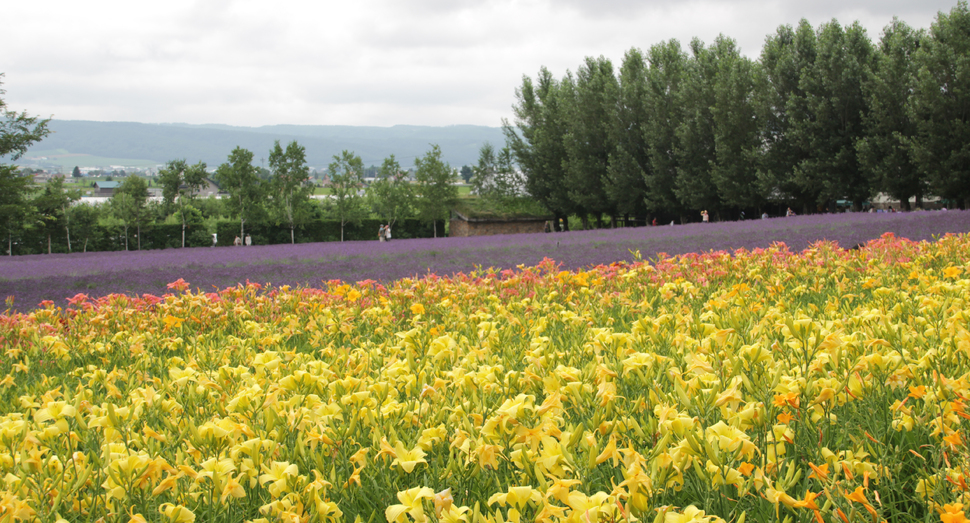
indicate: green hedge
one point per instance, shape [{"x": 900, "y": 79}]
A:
[
  {"x": 169, "y": 236},
  {"x": 112, "y": 238}
]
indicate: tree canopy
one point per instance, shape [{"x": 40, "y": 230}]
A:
[{"x": 823, "y": 119}]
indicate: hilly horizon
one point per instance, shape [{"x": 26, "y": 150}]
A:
[{"x": 212, "y": 143}]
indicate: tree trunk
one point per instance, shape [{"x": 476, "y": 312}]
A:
[
  {"x": 85, "y": 245},
  {"x": 341, "y": 230},
  {"x": 126, "y": 238},
  {"x": 67, "y": 226},
  {"x": 292, "y": 237},
  {"x": 48, "y": 244},
  {"x": 434, "y": 225},
  {"x": 9, "y": 244},
  {"x": 183, "y": 232},
  {"x": 138, "y": 233}
]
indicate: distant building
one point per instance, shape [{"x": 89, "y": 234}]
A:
[
  {"x": 44, "y": 177},
  {"x": 207, "y": 190},
  {"x": 463, "y": 224},
  {"x": 105, "y": 188}
]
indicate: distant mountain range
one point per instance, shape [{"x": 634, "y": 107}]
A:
[{"x": 212, "y": 143}]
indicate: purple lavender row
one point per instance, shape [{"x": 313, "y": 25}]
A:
[{"x": 31, "y": 279}]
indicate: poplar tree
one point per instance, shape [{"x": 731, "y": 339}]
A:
[
  {"x": 694, "y": 144},
  {"x": 536, "y": 142},
  {"x": 629, "y": 160},
  {"x": 668, "y": 64},
  {"x": 737, "y": 142},
  {"x": 885, "y": 149},
  {"x": 590, "y": 99},
  {"x": 781, "y": 106},
  {"x": 941, "y": 106},
  {"x": 833, "y": 120}
]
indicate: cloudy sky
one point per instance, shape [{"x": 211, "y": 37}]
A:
[{"x": 364, "y": 62}]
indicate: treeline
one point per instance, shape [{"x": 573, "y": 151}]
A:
[
  {"x": 265, "y": 206},
  {"x": 823, "y": 115}
]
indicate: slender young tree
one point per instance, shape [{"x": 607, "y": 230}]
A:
[
  {"x": 52, "y": 205},
  {"x": 435, "y": 187},
  {"x": 180, "y": 182},
  {"x": 290, "y": 185},
  {"x": 84, "y": 218},
  {"x": 129, "y": 204},
  {"x": 347, "y": 187},
  {"x": 391, "y": 196},
  {"x": 239, "y": 177}
]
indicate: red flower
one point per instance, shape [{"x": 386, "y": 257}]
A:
[{"x": 179, "y": 285}]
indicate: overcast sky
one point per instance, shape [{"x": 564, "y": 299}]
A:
[{"x": 364, "y": 62}]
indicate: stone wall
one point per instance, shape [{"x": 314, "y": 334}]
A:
[{"x": 459, "y": 227}]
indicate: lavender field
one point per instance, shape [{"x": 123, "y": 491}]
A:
[{"x": 32, "y": 279}]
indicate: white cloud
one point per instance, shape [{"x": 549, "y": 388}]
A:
[{"x": 372, "y": 62}]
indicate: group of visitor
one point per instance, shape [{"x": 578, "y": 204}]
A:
[
  {"x": 240, "y": 241},
  {"x": 384, "y": 233}
]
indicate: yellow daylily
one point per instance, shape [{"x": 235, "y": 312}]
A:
[{"x": 411, "y": 505}]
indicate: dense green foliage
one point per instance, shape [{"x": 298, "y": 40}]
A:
[{"x": 823, "y": 119}]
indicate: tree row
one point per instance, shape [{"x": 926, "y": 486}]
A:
[
  {"x": 282, "y": 197},
  {"x": 823, "y": 117}
]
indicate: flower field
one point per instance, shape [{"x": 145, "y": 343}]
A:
[
  {"x": 36, "y": 278},
  {"x": 829, "y": 384}
]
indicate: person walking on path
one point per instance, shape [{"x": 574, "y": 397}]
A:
[
  {"x": 705, "y": 217},
  {"x": 237, "y": 242},
  {"x": 249, "y": 240},
  {"x": 387, "y": 233}
]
